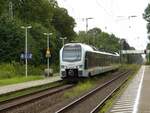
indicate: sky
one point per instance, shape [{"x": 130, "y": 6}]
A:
[{"x": 120, "y": 17}]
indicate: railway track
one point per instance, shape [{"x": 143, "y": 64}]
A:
[
  {"x": 93, "y": 100},
  {"x": 7, "y": 105}
]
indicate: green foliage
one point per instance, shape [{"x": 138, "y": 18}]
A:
[
  {"x": 17, "y": 70},
  {"x": 148, "y": 55},
  {"x": 81, "y": 87},
  {"x": 12, "y": 40},
  {"x": 63, "y": 23},
  {"x": 101, "y": 40},
  {"x": 2, "y": 5},
  {"x": 108, "y": 43},
  {"x": 15, "y": 80},
  {"x": 44, "y": 16},
  {"x": 146, "y": 16},
  {"x": 41, "y": 12},
  {"x": 7, "y": 71}
]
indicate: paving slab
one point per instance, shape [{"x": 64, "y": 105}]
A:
[
  {"x": 128, "y": 102},
  {"x": 20, "y": 86},
  {"x": 144, "y": 101}
]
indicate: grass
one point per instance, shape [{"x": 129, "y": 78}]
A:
[
  {"x": 17, "y": 79},
  {"x": 81, "y": 87},
  {"x": 13, "y": 73},
  {"x": 133, "y": 67},
  {"x": 11, "y": 70},
  {"x": 84, "y": 86},
  {"x": 110, "y": 101},
  {"x": 13, "y": 95}
]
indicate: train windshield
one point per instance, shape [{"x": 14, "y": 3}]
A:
[{"x": 71, "y": 53}]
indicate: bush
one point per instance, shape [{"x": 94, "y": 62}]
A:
[
  {"x": 7, "y": 71},
  {"x": 16, "y": 69}
]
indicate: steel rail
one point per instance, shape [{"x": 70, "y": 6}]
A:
[
  {"x": 97, "y": 108},
  {"x": 6, "y": 105},
  {"x": 67, "y": 107}
]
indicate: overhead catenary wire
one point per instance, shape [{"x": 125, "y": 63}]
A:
[{"x": 101, "y": 6}]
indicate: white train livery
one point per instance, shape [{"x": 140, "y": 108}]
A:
[{"x": 81, "y": 60}]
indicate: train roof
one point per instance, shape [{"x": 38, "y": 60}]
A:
[{"x": 91, "y": 49}]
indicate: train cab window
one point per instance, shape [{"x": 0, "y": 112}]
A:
[{"x": 72, "y": 53}]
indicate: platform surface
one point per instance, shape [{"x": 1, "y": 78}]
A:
[
  {"x": 136, "y": 97},
  {"x": 20, "y": 86},
  {"x": 144, "y": 101}
]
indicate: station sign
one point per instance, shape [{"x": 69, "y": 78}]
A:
[{"x": 26, "y": 56}]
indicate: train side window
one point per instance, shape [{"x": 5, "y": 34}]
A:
[{"x": 86, "y": 63}]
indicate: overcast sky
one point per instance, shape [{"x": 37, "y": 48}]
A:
[{"x": 111, "y": 16}]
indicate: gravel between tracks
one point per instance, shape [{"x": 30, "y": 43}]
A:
[{"x": 92, "y": 101}]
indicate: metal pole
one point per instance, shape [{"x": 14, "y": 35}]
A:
[
  {"x": 48, "y": 57},
  {"x": 11, "y": 10},
  {"x": 26, "y": 49},
  {"x": 48, "y": 40},
  {"x": 26, "y": 60},
  {"x": 86, "y": 19},
  {"x": 86, "y": 24},
  {"x": 63, "y": 40}
]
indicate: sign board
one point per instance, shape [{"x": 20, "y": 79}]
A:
[
  {"x": 28, "y": 56},
  {"x": 48, "y": 54}
]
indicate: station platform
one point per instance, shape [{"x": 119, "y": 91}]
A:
[
  {"x": 25, "y": 85},
  {"x": 136, "y": 97}
]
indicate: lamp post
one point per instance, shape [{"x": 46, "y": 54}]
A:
[
  {"x": 128, "y": 17},
  {"x": 94, "y": 38},
  {"x": 121, "y": 48},
  {"x": 86, "y": 19},
  {"x": 48, "y": 51},
  {"x": 26, "y": 49},
  {"x": 11, "y": 10},
  {"x": 63, "y": 39}
]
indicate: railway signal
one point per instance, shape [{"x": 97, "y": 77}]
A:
[
  {"x": 48, "y": 51},
  {"x": 48, "y": 54}
]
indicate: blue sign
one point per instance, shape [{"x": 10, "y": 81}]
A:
[{"x": 26, "y": 56}]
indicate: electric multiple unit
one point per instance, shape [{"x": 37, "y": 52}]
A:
[{"x": 81, "y": 60}]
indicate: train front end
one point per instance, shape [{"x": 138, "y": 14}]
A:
[{"x": 71, "y": 61}]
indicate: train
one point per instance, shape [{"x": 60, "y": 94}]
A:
[{"x": 79, "y": 60}]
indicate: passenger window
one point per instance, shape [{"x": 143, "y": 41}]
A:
[{"x": 86, "y": 63}]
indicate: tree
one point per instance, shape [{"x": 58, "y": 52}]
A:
[
  {"x": 44, "y": 16},
  {"x": 2, "y": 5},
  {"x": 12, "y": 40},
  {"x": 101, "y": 40},
  {"x": 63, "y": 23},
  {"x": 146, "y": 16}
]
